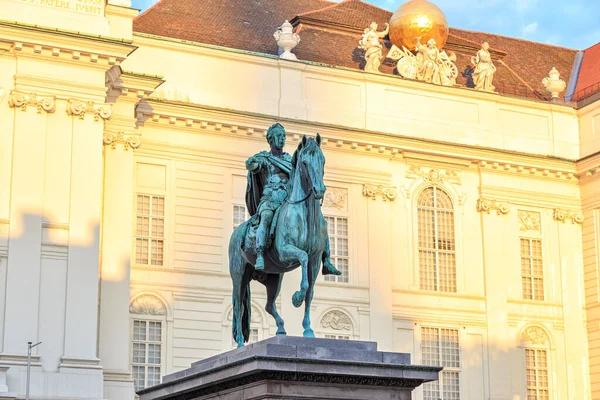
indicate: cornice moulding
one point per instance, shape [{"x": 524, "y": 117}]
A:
[
  {"x": 529, "y": 198},
  {"x": 62, "y": 89},
  {"x": 181, "y": 116}
]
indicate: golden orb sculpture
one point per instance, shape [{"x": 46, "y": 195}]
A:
[{"x": 418, "y": 19}]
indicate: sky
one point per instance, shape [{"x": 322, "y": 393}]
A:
[{"x": 572, "y": 23}]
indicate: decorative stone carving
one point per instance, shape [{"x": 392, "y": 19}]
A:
[
  {"x": 286, "y": 40},
  {"x": 80, "y": 109},
  {"x": 121, "y": 3},
  {"x": 535, "y": 335},
  {"x": 484, "y": 71},
  {"x": 429, "y": 65},
  {"x": 255, "y": 315},
  {"x": 127, "y": 141},
  {"x": 433, "y": 176},
  {"x": 487, "y": 206},
  {"x": 372, "y": 47},
  {"x": 553, "y": 83},
  {"x": 335, "y": 198},
  {"x": 386, "y": 192},
  {"x": 45, "y": 103},
  {"x": 562, "y": 215},
  {"x": 147, "y": 304},
  {"x": 529, "y": 221},
  {"x": 336, "y": 320}
]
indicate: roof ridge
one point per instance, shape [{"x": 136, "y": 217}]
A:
[
  {"x": 148, "y": 9},
  {"x": 515, "y": 38},
  {"x": 594, "y": 45}
]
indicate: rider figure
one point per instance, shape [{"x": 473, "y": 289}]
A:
[{"x": 268, "y": 187}]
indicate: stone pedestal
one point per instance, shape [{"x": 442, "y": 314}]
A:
[{"x": 294, "y": 368}]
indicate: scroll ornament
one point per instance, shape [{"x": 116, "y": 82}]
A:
[
  {"x": 487, "y": 206},
  {"x": 20, "y": 100},
  {"x": 535, "y": 335},
  {"x": 562, "y": 215},
  {"x": 127, "y": 141},
  {"x": 80, "y": 109},
  {"x": 386, "y": 192}
]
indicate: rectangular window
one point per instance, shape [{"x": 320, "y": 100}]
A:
[
  {"x": 150, "y": 229},
  {"x": 239, "y": 215},
  {"x": 252, "y": 339},
  {"x": 536, "y": 367},
  {"x": 339, "y": 337},
  {"x": 337, "y": 227},
  {"x": 532, "y": 269},
  {"x": 146, "y": 358},
  {"x": 440, "y": 347}
]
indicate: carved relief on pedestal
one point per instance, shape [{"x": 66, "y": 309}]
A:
[
  {"x": 147, "y": 304},
  {"x": 535, "y": 335},
  {"x": 487, "y": 206},
  {"x": 21, "y": 100},
  {"x": 562, "y": 215},
  {"x": 386, "y": 192},
  {"x": 80, "y": 109},
  {"x": 529, "y": 221},
  {"x": 336, "y": 320},
  {"x": 127, "y": 141},
  {"x": 433, "y": 176},
  {"x": 335, "y": 198}
]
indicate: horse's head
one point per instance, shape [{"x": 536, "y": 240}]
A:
[{"x": 309, "y": 161}]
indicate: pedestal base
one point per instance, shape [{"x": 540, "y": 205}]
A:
[{"x": 293, "y": 368}]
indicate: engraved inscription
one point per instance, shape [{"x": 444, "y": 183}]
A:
[{"x": 95, "y": 7}]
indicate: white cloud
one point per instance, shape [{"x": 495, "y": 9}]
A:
[{"x": 529, "y": 29}]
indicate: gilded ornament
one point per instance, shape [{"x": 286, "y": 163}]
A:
[
  {"x": 148, "y": 305},
  {"x": 80, "y": 109},
  {"x": 336, "y": 320},
  {"x": 386, "y": 192},
  {"x": 529, "y": 221},
  {"x": 127, "y": 141},
  {"x": 17, "y": 99},
  {"x": 535, "y": 335},
  {"x": 418, "y": 19},
  {"x": 563, "y": 215},
  {"x": 487, "y": 206}
]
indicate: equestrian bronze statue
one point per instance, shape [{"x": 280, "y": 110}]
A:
[{"x": 286, "y": 230}]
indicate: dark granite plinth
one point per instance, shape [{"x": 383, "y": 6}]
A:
[{"x": 287, "y": 367}]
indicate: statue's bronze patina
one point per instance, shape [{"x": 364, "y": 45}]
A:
[{"x": 286, "y": 229}]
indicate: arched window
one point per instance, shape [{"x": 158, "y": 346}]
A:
[
  {"x": 436, "y": 243},
  {"x": 148, "y": 325},
  {"x": 535, "y": 343}
]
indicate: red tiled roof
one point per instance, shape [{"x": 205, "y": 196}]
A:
[
  {"x": 589, "y": 74},
  {"x": 330, "y": 33}
]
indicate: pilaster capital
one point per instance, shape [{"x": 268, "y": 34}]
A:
[
  {"x": 41, "y": 103},
  {"x": 563, "y": 215},
  {"x": 80, "y": 109},
  {"x": 128, "y": 141},
  {"x": 487, "y": 206},
  {"x": 386, "y": 192}
]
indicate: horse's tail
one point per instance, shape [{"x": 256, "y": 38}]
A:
[{"x": 240, "y": 276}]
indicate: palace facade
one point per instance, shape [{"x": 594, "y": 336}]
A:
[{"x": 466, "y": 223}]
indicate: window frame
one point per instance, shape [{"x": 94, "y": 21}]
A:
[
  {"x": 536, "y": 368},
  {"x": 458, "y": 370},
  {"x": 333, "y": 279},
  {"x": 247, "y": 216},
  {"x": 456, "y": 239},
  {"x": 165, "y": 218},
  {"x": 532, "y": 276},
  {"x": 163, "y": 341}
]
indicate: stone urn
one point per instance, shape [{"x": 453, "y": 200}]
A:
[
  {"x": 553, "y": 83},
  {"x": 286, "y": 41}
]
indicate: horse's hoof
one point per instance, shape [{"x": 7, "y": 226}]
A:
[
  {"x": 309, "y": 333},
  {"x": 297, "y": 299},
  {"x": 281, "y": 333}
]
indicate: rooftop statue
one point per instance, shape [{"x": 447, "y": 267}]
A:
[
  {"x": 286, "y": 229},
  {"x": 372, "y": 47},
  {"x": 484, "y": 71},
  {"x": 429, "y": 65}
]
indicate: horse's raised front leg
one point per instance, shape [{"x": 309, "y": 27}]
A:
[
  {"x": 313, "y": 273},
  {"x": 291, "y": 253},
  {"x": 273, "y": 285}
]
